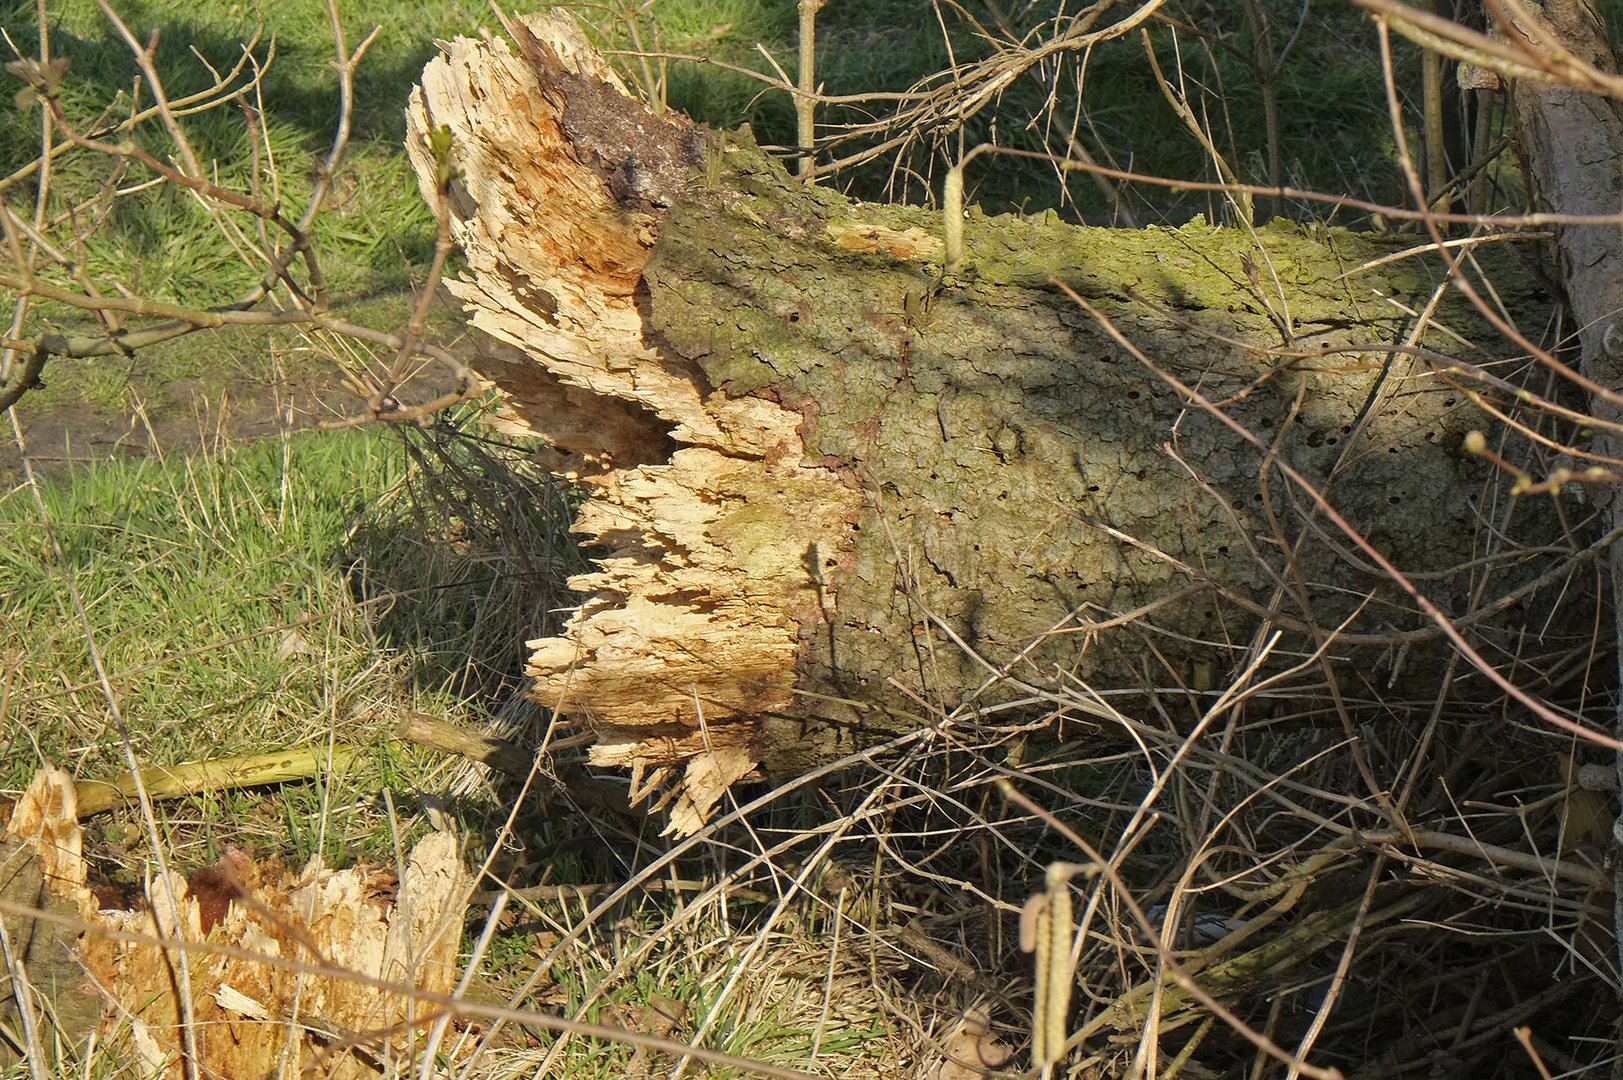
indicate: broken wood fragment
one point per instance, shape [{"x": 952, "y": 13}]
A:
[
  {"x": 499, "y": 754},
  {"x": 264, "y": 985}
]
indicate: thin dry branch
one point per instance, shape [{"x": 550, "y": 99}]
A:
[
  {"x": 1529, "y": 49},
  {"x": 36, "y": 252},
  {"x": 1441, "y": 620}
]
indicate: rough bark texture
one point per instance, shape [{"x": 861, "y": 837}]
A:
[
  {"x": 841, "y": 495},
  {"x": 1573, "y": 143}
]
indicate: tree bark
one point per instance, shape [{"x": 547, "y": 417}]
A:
[
  {"x": 842, "y": 494},
  {"x": 1573, "y": 144}
]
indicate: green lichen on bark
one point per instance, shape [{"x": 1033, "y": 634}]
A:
[{"x": 999, "y": 435}]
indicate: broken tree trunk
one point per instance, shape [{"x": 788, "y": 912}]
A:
[{"x": 840, "y": 493}]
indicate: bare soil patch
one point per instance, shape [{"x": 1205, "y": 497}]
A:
[{"x": 197, "y": 394}]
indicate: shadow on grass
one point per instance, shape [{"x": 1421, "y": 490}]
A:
[{"x": 466, "y": 562}]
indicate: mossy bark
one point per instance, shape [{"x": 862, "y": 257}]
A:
[{"x": 844, "y": 493}]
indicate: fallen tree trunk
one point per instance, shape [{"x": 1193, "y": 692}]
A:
[{"x": 841, "y": 492}]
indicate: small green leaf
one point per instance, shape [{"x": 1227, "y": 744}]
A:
[{"x": 439, "y": 141}]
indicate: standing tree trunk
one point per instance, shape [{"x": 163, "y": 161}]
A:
[
  {"x": 1573, "y": 142},
  {"x": 841, "y": 494}
]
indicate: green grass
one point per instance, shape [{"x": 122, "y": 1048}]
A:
[
  {"x": 225, "y": 596},
  {"x": 377, "y": 230},
  {"x": 172, "y": 561}
]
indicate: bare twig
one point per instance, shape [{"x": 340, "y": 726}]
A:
[{"x": 1179, "y": 975}]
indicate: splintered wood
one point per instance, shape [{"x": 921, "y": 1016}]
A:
[
  {"x": 714, "y": 526},
  {"x": 312, "y": 970}
]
